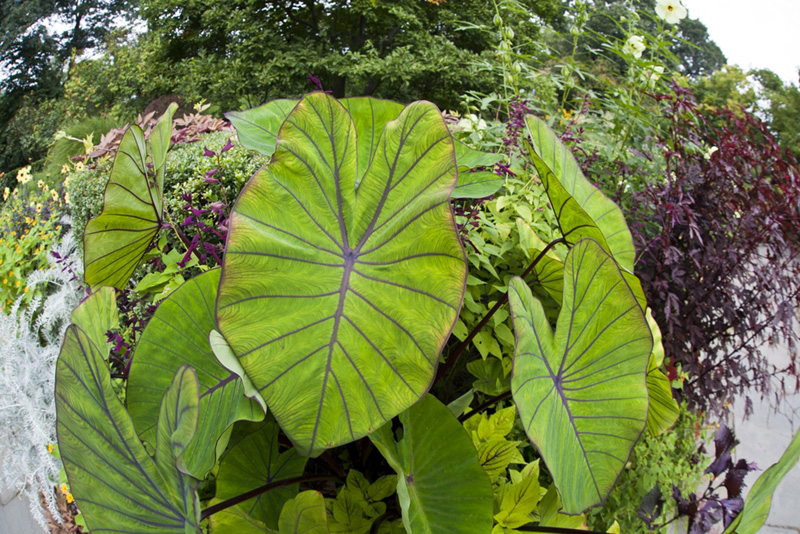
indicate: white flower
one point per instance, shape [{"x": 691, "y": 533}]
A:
[
  {"x": 671, "y": 11},
  {"x": 634, "y": 46}
]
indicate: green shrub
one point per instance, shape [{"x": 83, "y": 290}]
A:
[{"x": 69, "y": 145}]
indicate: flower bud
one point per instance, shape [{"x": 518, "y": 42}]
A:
[
  {"x": 508, "y": 33},
  {"x": 575, "y": 31},
  {"x": 516, "y": 67},
  {"x": 498, "y": 20},
  {"x": 508, "y": 78}
]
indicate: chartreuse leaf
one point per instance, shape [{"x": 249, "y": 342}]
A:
[
  {"x": 550, "y": 514},
  {"x": 440, "y": 484},
  {"x": 257, "y": 128},
  {"x": 235, "y": 520},
  {"x": 254, "y": 462},
  {"x": 115, "y": 241},
  {"x": 117, "y": 485},
  {"x": 756, "y": 507},
  {"x": 97, "y": 315},
  {"x": 518, "y": 498},
  {"x": 582, "y": 210},
  {"x": 581, "y": 390},
  {"x": 663, "y": 410},
  {"x": 338, "y": 301},
  {"x": 370, "y": 116},
  {"x": 178, "y": 335},
  {"x": 305, "y": 514}
]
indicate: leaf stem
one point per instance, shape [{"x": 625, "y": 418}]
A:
[
  {"x": 502, "y": 300},
  {"x": 482, "y": 407},
  {"x": 263, "y": 489}
]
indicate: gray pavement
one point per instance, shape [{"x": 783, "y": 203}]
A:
[{"x": 15, "y": 515}]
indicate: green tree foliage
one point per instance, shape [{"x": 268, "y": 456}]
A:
[
  {"x": 695, "y": 53},
  {"x": 783, "y": 108},
  {"x": 400, "y": 49}
]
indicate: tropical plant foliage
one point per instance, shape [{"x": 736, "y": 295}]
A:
[{"x": 343, "y": 275}]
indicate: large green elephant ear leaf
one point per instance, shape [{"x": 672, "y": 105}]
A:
[
  {"x": 583, "y": 211},
  {"x": 178, "y": 335},
  {"x": 441, "y": 485},
  {"x": 255, "y": 461},
  {"x": 370, "y": 116},
  {"x": 257, "y": 128},
  {"x": 338, "y": 302},
  {"x": 305, "y": 514},
  {"x": 115, "y": 241},
  {"x": 581, "y": 391},
  {"x": 663, "y": 411},
  {"x": 97, "y": 315},
  {"x": 117, "y": 485},
  {"x": 756, "y": 507}
]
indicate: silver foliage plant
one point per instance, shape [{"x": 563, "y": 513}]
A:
[{"x": 30, "y": 339}]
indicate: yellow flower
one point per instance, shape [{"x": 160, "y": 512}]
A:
[
  {"x": 5, "y": 281},
  {"x": 64, "y": 488},
  {"x": 39, "y": 207},
  {"x": 13, "y": 233},
  {"x": 66, "y": 198},
  {"x": 53, "y": 195},
  {"x": 6, "y": 192},
  {"x": 79, "y": 166},
  {"x": 64, "y": 169},
  {"x": 70, "y": 498},
  {"x": 24, "y": 175},
  {"x": 49, "y": 446},
  {"x": 26, "y": 290},
  {"x": 17, "y": 284},
  {"x": 41, "y": 184}
]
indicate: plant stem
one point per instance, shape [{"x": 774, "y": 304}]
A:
[
  {"x": 482, "y": 407},
  {"x": 502, "y": 300},
  {"x": 263, "y": 489}
]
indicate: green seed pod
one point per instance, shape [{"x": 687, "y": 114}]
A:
[
  {"x": 508, "y": 33},
  {"x": 498, "y": 20}
]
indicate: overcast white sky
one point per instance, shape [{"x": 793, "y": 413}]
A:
[{"x": 754, "y": 33}]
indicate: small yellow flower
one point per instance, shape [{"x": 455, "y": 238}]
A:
[
  {"x": 39, "y": 207},
  {"x": 41, "y": 184},
  {"x": 53, "y": 195},
  {"x": 79, "y": 166},
  {"x": 70, "y": 498},
  {"x": 6, "y": 192},
  {"x": 64, "y": 488},
  {"x": 66, "y": 198},
  {"x": 50, "y": 445},
  {"x": 13, "y": 233},
  {"x": 26, "y": 290},
  {"x": 64, "y": 169},
  {"x": 17, "y": 284},
  {"x": 5, "y": 281},
  {"x": 24, "y": 175}
]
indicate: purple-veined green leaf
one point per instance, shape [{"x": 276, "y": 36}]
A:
[
  {"x": 96, "y": 316},
  {"x": 336, "y": 300},
  {"x": 117, "y": 485},
  {"x": 116, "y": 240},
  {"x": 254, "y": 461},
  {"x": 469, "y": 158},
  {"x": 756, "y": 507},
  {"x": 235, "y": 520},
  {"x": 581, "y": 390},
  {"x": 441, "y": 485},
  {"x": 178, "y": 335},
  {"x": 257, "y": 128},
  {"x": 550, "y": 269},
  {"x": 582, "y": 210}
]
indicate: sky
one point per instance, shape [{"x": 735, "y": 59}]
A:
[{"x": 754, "y": 33}]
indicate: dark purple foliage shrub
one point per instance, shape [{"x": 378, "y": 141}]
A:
[
  {"x": 710, "y": 508},
  {"x": 718, "y": 242}
]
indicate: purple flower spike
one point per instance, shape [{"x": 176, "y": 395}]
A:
[
  {"x": 227, "y": 146},
  {"x": 316, "y": 81},
  {"x": 208, "y": 153},
  {"x": 217, "y": 207},
  {"x": 208, "y": 179}
]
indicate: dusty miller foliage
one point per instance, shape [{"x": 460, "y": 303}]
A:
[{"x": 30, "y": 339}]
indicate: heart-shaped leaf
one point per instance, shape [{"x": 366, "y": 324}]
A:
[
  {"x": 338, "y": 301},
  {"x": 254, "y": 462},
  {"x": 97, "y": 315},
  {"x": 257, "y": 128},
  {"x": 178, "y": 335},
  {"x": 235, "y": 520},
  {"x": 580, "y": 390},
  {"x": 305, "y": 514},
  {"x": 441, "y": 485},
  {"x": 116, "y": 240},
  {"x": 583, "y": 211},
  {"x": 117, "y": 485},
  {"x": 756, "y": 507}
]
